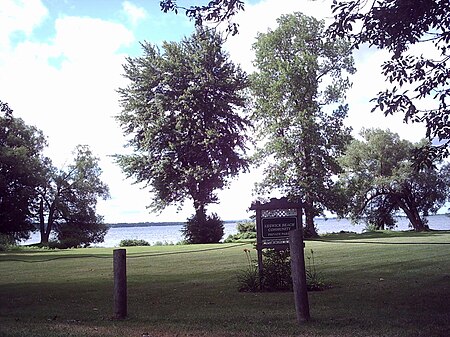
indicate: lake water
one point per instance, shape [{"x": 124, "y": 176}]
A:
[{"x": 172, "y": 234}]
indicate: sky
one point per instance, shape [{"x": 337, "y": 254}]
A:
[{"x": 61, "y": 65}]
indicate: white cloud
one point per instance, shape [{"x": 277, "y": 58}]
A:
[
  {"x": 73, "y": 102},
  {"x": 90, "y": 38},
  {"x": 133, "y": 12},
  {"x": 367, "y": 83},
  {"x": 258, "y": 18},
  {"x": 19, "y": 16}
]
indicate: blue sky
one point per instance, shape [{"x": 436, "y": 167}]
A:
[{"x": 61, "y": 64}]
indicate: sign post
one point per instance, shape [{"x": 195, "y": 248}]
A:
[
  {"x": 279, "y": 225},
  {"x": 120, "y": 283},
  {"x": 299, "y": 275}
]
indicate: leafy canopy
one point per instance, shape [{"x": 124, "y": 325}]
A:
[
  {"x": 380, "y": 181},
  {"x": 419, "y": 78},
  {"x": 182, "y": 111},
  {"x": 214, "y": 12},
  {"x": 67, "y": 201},
  {"x": 21, "y": 166},
  {"x": 299, "y": 87}
]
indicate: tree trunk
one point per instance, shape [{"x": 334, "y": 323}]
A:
[
  {"x": 44, "y": 238},
  {"x": 310, "y": 230},
  {"x": 46, "y": 230},
  {"x": 200, "y": 211},
  {"x": 416, "y": 221},
  {"x": 413, "y": 216}
]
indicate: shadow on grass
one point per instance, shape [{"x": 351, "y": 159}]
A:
[
  {"x": 379, "y": 235},
  {"x": 45, "y": 256}
]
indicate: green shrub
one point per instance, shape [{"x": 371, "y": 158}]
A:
[
  {"x": 276, "y": 274},
  {"x": 6, "y": 242},
  {"x": 133, "y": 242},
  {"x": 246, "y": 231},
  {"x": 246, "y": 226},
  {"x": 73, "y": 235},
  {"x": 277, "y": 270},
  {"x": 165, "y": 243},
  {"x": 248, "y": 279},
  {"x": 314, "y": 280},
  {"x": 203, "y": 229}
]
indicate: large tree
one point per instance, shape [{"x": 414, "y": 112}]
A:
[
  {"x": 417, "y": 80},
  {"x": 299, "y": 85},
  {"x": 66, "y": 205},
  {"x": 379, "y": 180},
  {"x": 183, "y": 111},
  {"x": 21, "y": 168}
]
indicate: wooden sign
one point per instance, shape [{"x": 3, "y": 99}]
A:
[
  {"x": 277, "y": 228},
  {"x": 274, "y": 220}
]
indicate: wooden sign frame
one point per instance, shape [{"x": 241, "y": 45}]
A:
[{"x": 274, "y": 220}]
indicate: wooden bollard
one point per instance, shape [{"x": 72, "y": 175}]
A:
[
  {"x": 120, "y": 283},
  {"x": 299, "y": 275}
]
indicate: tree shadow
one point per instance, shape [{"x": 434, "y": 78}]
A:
[{"x": 382, "y": 234}]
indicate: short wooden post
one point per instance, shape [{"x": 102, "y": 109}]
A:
[
  {"x": 299, "y": 274},
  {"x": 120, "y": 283}
]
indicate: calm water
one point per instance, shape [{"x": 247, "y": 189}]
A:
[{"x": 172, "y": 234}]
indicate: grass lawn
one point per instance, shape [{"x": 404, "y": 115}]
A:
[{"x": 387, "y": 284}]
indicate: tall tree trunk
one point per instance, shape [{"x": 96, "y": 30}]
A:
[
  {"x": 44, "y": 237},
  {"x": 200, "y": 211},
  {"x": 46, "y": 230},
  {"x": 413, "y": 215},
  {"x": 310, "y": 230}
]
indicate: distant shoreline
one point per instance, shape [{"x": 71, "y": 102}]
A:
[
  {"x": 181, "y": 223},
  {"x": 150, "y": 224}
]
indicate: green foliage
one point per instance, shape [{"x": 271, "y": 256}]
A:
[
  {"x": 133, "y": 242},
  {"x": 246, "y": 226},
  {"x": 6, "y": 242},
  {"x": 181, "y": 114},
  {"x": 417, "y": 85},
  {"x": 203, "y": 229},
  {"x": 276, "y": 274},
  {"x": 248, "y": 279},
  {"x": 68, "y": 200},
  {"x": 379, "y": 180},
  {"x": 166, "y": 243},
  {"x": 81, "y": 234},
  {"x": 21, "y": 168},
  {"x": 214, "y": 12},
  {"x": 314, "y": 279},
  {"x": 299, "y": 73},
  {"x": 246, "y": 231}
]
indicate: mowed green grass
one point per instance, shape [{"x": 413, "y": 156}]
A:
[{"x": 388, "y": 284}]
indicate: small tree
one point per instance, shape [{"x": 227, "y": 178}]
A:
[
  {"x": 379, "y": 180},
  {"x": 181, "y": 110},
  {"x": 67, "y": 202}
]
